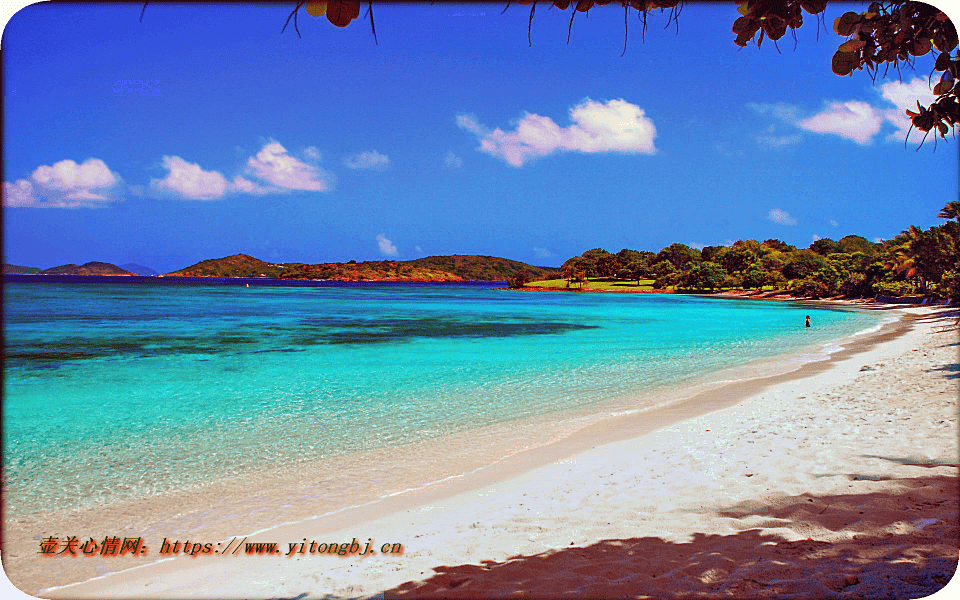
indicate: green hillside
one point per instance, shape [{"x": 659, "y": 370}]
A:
[
  {"x": 434, "y": 268},
  {"x": 381, "y": 270},
  {"x": 18, "y": 270},
  {"x": 482, "y": 268},
  {"x": 238, "y": 265},
  {"x": 90, "y": 268}
]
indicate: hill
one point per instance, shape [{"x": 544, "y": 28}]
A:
[
  {"x": 381, "y": 270},
  {"x": 18, "y": 270},
  {"x": 434, "y": 268},
  {"x": 90, "y": 268},
  {"x": 238, "y": 265},
  {"x": 481, "y": 268}
]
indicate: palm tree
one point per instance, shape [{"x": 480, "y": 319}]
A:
[
  {"x": 902, "y": 258},
  {"x": 951, "y": 211}
]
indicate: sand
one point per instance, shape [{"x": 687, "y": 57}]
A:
[{"x": 840, "y": 480}]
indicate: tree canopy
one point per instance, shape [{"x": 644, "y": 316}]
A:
[{"x": 916, "y": 261}]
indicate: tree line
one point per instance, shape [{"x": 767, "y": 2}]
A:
[{"x": 917, "y": 261}]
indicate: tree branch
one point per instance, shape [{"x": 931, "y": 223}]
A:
[
  {"x": 293, "y": 15},
  {"x": 372, "y": 27},
  {"x": 533, "y": 7}
]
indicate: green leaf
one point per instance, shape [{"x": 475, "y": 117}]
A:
[
  {"x": 943, "y": 61},
  {"x": 920, "y": 47},
  {"x": 814, "y": 7},
  {"x": 750, "y": 28},
  {"x": 845, "y": 62},
  {"x": 316, "y": 9},
  {"x": 852, "y": 45},
  {"x": 845, "y": 23},
  {"x": 341, "y": 12},
  {"x": 774, "y": 27},
  {"x": 945, "y": 38},
  {"x": 584, "y": 5},
  {"x": 943, "y": 87}
]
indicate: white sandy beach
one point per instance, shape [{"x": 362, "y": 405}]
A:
[{"x": 838, "y": 481}]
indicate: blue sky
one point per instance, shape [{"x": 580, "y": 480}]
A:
[{"x": 204, "y": 132}]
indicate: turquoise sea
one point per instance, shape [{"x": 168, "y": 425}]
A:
[{"x": 120, "y": 388}]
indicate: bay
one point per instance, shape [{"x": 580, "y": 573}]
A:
[{"x": 124, "y": 388}]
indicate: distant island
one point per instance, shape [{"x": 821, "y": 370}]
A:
[
  {"x": 18, "y": 270},
  {"x": 431, "y": 269},
  {"x": 90, "y": 268},
  {"x": 916, "y": 263}
]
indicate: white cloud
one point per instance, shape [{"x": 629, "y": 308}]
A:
[
  {"x": 69, "y": 177},
  {"x": 697, "y": 246},
  {"x": 542, "y": 253},
  {"x": 312, "y": 153},
  {"x": 854, "y": 120},
  {"x": 834, "y": 223},
  {"x": 816, "y": 237},
  {"x": 781, "y": 216},
  {"x": 66, "y": 184},
  {"x": 372, "y": 160},
  {"x": 877, "y": 240},
  {"x": 188, "y": 180},
  {"x": 18, "y": 194},
  {"x": 452, "y": 161},
  {"x": 418, "y": 249},
  {"x": 275, "y": 166},
  {"x": 904, "y": 96},
  {"x": 787, "y": 113},
  {"x": 780, "y": 110},
  {"x": 245, "y": 186},
  {"x": 386, "y": 246},
  {"x": 272, "y": 170},
  {"x": 617, "y": 126},
  {"x": 772, "y": 138}
]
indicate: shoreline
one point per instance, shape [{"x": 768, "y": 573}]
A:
[
  {"x": 604, "y": 435},
  {"x": 774, "y": 295},
  {"x": 189, "y": 511}
]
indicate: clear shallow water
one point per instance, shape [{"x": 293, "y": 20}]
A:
[{"x": 116, "y": 390}]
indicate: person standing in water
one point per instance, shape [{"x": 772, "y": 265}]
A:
[{"x": 808, "y": 321}]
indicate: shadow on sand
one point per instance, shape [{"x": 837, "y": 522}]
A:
[{"x": 896, "y": 543}]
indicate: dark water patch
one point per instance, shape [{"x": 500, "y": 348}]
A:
[
  {"x": 272, "y": 350},
  {"x": 358, "y": 331},
  {"x": 45, "y": 354},
  {"x": 23, "y": 317}
]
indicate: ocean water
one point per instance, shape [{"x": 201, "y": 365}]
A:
[{"x": 121, "y": 389}]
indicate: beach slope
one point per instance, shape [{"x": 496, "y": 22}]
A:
[{"x": 839, "y": 483}]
